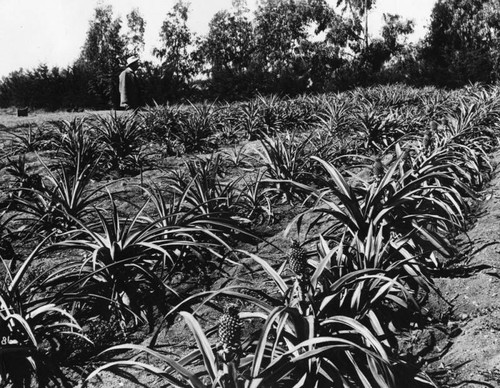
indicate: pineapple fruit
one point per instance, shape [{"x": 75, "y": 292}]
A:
[
  {"x": 230, "y": 334},
  {"x": 297, "y": 259}
]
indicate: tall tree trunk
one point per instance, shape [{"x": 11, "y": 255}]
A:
[{"x": 366, "y": 24}]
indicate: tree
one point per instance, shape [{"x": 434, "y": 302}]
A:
[
  {"x": 102, "y": 55},
  {"x": 318, "y": 60},
  {"x": 348, "y": 28},
  {"x": 229, "y": 44},
  {"x": 395, "y": 30},
  {"x": 357, "y": 11},
  {"x": 379, "y": 51},
  {"x": 44, "y": 88},
  {"x": 345, "y": 33},
  {"x": 491, "y": 11},
  {"x": 15, "y": 89},
  {"x": 462, "y": 43},
  {"x": 134, "y": 37},
  {"x": 240, "y": 7},
  {"x": 280, "y": 26},
  {"x": 179, "y": 64},
  {"x": 364, "y": 57},
  {"x": 282, "y": 35}
]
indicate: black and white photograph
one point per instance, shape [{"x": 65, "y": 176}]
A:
[{"x": 250, "y": 193}]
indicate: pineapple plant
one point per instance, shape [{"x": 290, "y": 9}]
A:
[{"x": 375, "y": 227}]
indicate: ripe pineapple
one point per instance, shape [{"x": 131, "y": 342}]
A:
[
  {"x": 230, "y": 334},
  {"x": 297, "y": 259}
]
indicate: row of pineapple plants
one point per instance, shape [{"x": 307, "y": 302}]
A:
[
  {"x": 228, "y": 342},
  {"x": 370, "y": 253},
  {"x": 126, "y": 140}
]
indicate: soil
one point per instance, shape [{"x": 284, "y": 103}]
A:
[
  {"x": 460, "y": 345},
  {"x": 473, "y": 357}
]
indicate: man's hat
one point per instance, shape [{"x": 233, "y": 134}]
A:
[{"x": 132, "y": 59}]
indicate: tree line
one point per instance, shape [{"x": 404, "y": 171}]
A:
[{"x": 286, "y": 46}]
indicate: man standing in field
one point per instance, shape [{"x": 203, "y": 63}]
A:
[{"x": 130, "y": 95}]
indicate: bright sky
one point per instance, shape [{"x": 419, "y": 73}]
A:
[{"x": 53, "y": 31}]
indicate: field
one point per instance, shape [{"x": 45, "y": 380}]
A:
[{"x": 333, "y": 240}]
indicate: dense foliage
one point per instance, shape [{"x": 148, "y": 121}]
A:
[
  {"x": 286, "y": 47},
  {"x": 462, "y": 44}
]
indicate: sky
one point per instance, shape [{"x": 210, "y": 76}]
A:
[{"x": 53, "y": 31}]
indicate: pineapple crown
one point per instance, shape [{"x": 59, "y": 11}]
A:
[
  {"x": 231, "y": 309},
  {"x": 295, "y": 244}
]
